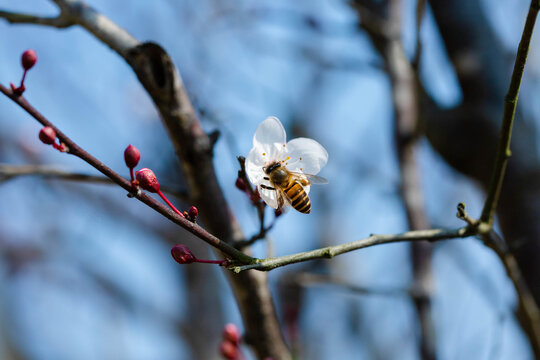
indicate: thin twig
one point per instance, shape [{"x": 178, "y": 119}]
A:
[
  {"x": 510, "y": 104},
  {"x": 528, "y": 308},
  {"x": 76, "y": 150},
  {"x": 331, "y": 251},
  {"x": 527, "y": 311},
  {"x": 463, "y": 215},
  {"x": 8, "y": 172},
  {"x": 310, "y": 279},
  {"x": 59, "y": 21}
]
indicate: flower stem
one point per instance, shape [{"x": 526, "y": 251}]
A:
[
  {"x": 23, "y": 77},
  {"x": 131, "y": 175},
  {"x": 169, "y": 203}
]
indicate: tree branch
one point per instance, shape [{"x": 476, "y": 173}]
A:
[
  {"x": 311, "y": 279},
  {"x": 331, "y": 251},
  {"x": 510, "y": 104},
  {"x": 527, "y": 311},
  {"x": 79, "y": 152}
]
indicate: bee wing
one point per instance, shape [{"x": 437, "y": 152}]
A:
[
  {"x": 282, "y": 199},
  {"x": 308, "y": 179}
]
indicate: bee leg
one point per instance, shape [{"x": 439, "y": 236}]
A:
[
  {"x": 267, "y": 187},
  {"x": 266, "y": 178}
]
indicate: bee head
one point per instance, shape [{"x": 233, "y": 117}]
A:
[{"x": 272, "y": 167}]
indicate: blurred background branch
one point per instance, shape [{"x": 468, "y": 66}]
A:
[{"x": 8, "y": 172}]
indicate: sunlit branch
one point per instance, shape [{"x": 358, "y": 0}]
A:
[
  {"x": 331, "y": 251},
  {"x": 510, "y": 104},
  {"x": 529, "y": 313}
]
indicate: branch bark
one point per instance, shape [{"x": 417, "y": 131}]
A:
[{"x": 331, "y": 251}]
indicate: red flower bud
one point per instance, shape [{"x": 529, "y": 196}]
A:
[
  {"x": 231, "y": 333},
  {"x": 240, "y": 184},
  {"x": 47, "y": 135},
  {"x": 132, "y": 155},
  {"x": 193, "y": 213},
  {"x": 228, "y": 350},
  {"x": 28, "y": 59},
  {"x": 147, "y": 180},
  {"x": 182, "y": 255}
]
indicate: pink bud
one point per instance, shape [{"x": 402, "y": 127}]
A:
[
  {"x": 132, "y": 155},
  {"x": 47, "y": 135},
  {"x": 228, "y": 350},
  {"x": 182, "y": 255},
  {"x": 231, "y": 333},
  {"x": 147, "y": 180},
  {"x": 28, "y": 59},
  {"x": 193, "y": 213}
]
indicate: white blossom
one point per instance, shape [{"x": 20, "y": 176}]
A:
[{"x": 301, "y": 155}]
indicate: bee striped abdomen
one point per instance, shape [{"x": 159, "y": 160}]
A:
[{"x": 298, "y": 197}]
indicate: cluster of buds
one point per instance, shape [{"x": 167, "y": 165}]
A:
[
  {"x": 230, "y": 345},
  {"x": 147, "y": 180},
  {"x": 28, "y": 60},
  {"x": 47, "y": 135},
  {"x": 183, "y": 255},
  {"x": 191, "y": 214}
]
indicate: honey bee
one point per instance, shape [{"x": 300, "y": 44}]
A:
[{"x": 289, "y": 186}]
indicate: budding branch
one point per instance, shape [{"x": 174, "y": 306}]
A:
[{"x": 76, "y": 150}]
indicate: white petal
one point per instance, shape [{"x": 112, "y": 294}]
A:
[
  {"x": 270, "y": 131},
  {"x": 269, "y": 197},
  {"x": 254, "y": 165},
  {"x": 306, "y": 156}
]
